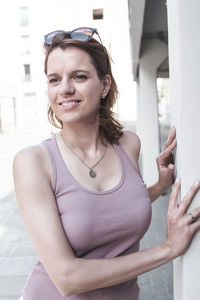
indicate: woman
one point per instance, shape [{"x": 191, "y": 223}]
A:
[{"x": 81, "y": 194}]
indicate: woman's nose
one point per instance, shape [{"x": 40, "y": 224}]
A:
[{"x": 66, "y": 87}]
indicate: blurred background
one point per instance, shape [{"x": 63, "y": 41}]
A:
[
  {"x": 23, "y": 107},
  {"x": 23, "y": 98}
]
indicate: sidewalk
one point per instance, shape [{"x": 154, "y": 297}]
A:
[
  {"x": 157, "y": 284},
  {"x": 16, "y": 252},
  {"x": 17, "y": 255}
]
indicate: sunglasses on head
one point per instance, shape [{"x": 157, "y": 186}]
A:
[{"x": 83, "y": 34}]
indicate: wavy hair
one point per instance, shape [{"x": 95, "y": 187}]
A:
[{"x": 109, "y": 126}]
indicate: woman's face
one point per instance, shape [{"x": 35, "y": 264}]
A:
[{"x": 74, "y": 88}]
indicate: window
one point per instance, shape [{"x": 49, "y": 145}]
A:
[
  {"x": 24, "y": 16},
  {"x": 27, "y": 71},
  {"x": 98, "y": 14},
  {"x": 25, "y": 49}
]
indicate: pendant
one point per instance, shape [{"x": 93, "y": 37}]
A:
[{"x": 92, "y": 173}]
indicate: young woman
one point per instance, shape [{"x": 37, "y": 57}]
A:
[{"x": 81, "y": 194}]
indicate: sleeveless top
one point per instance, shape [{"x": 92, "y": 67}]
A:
[{"x": 97, "y": 225}]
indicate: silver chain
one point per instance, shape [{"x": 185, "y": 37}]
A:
[{"x": 92, "y": 173}]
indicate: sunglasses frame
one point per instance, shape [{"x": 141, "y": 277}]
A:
[{"x": 94, "y": 30}]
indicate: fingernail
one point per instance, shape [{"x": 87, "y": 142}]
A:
[
  {"x": 177, "y": 180},
  {"x": 196, "y": 183},
  {"x": 171, "y": 167}
]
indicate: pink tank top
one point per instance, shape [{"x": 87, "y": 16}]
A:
[{"x": 97, "y": 225}]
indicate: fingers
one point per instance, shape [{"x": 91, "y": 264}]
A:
[
  {"x": 166, "y": 158},
  {"x": 193, "y": 216},
  {"x": 168, "y": 149},
  {"x": 171, "y": 167},
  {"x": 194, "y": 219},
  {"x": 173, "y": 203},
  {"x": 182, "y": 226},
  {"x": 195, "y": 226},
  {"x": 188, "y": 197},
  {"x": 172, "y": 134}
]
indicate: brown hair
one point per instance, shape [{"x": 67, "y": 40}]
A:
[{"x": 109, "y": 126}]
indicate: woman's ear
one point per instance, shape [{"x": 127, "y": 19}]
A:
[{"x": 106, "y": 85}]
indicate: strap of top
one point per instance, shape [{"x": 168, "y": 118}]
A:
[{"x": 124, "y": 156}]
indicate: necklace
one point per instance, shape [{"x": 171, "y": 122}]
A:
[{"x": 92, "y": 173}]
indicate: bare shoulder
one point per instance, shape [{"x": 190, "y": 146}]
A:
[
  {"x": 32, "y": 158},
  {"x": 131, "y": 144},
  {"x": 31, "y": 152}
]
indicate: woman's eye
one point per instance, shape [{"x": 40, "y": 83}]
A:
[
  {"x": 80, "y": 77},
  {"x": 53, "y": 80}
]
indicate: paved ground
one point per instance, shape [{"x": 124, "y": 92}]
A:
[
  {"x": 17, "y": 255},
  {"x": 157, "y": 284}
]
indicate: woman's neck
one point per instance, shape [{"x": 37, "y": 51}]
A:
[{"x": 86, "y": 139}]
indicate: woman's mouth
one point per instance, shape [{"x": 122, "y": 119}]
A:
[{"x": 69, "y": 104}]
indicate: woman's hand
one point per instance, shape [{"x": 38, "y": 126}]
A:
[
  {"x": 165, "y": 162},
  {"x": 181, "y": 226}
]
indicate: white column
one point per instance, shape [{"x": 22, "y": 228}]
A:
[
  {"x": 184, "y": 49},
  {"x": 154, "y": 52}
]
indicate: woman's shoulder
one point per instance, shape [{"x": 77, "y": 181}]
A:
[
  {"x": 35, "y": 152},
  {"x": 30, "y": 157},
  {"x": 131, "y": 142}
]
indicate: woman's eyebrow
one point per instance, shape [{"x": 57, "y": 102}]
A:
[
  {"x": 74, "y": 71},
  {"x": 80, "y": 70},
  {"x": 52, "y": 74}
]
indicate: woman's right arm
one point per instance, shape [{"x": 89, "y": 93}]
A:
[{"x": 72, "y": 275}]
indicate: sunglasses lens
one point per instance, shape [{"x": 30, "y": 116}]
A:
[
  {"x": 55, "y": 36},
  {"x": 82, "y": 34}
]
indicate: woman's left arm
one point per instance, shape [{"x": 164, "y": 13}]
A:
[{"x": 165, "y": 165}]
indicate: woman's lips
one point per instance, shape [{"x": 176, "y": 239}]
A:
[{"x": 69, "y": 104}]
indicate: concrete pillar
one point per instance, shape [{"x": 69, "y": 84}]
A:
[
  {"x": 184, "y": 62},
  {"x": 154, "y": 52}
]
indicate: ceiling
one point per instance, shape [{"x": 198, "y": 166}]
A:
[{"x": 148, "y": 20}]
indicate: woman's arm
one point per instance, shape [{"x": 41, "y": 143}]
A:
[
  {"x": 155, "y": 191},
  {"x": 72, "y": 275}
]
